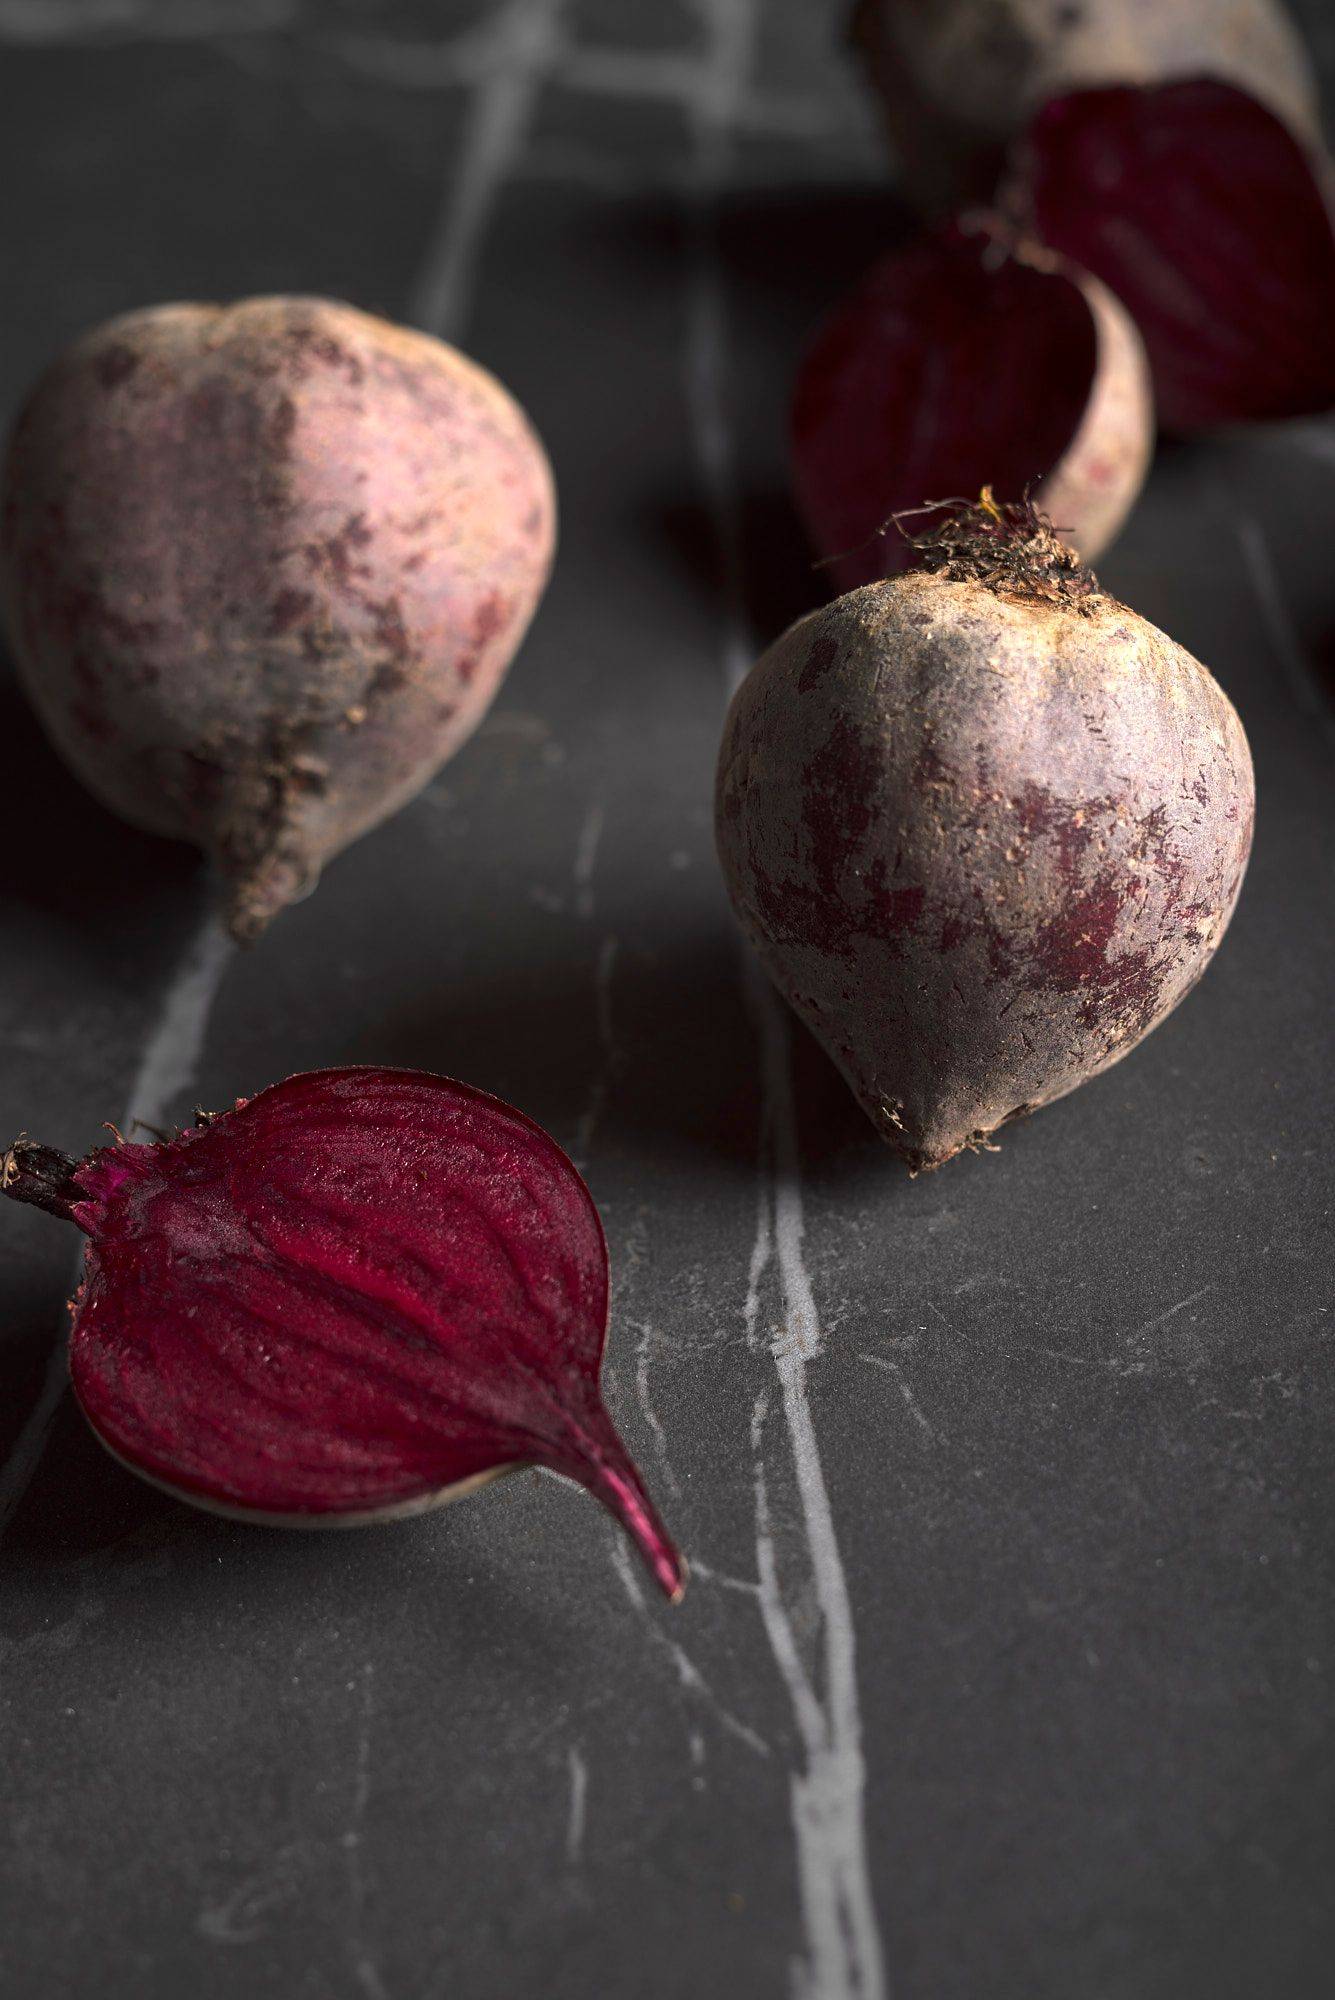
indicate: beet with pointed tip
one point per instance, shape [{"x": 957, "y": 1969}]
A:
[
  {"x": 264, "y": 566},
  {"x": 968, "y": 357},
  {"x": 959, "y": 79},
  {"x": 984, "y": 828},
  {"x": 358, "y": 1294},
  {"x": 1208, "y": 219}
]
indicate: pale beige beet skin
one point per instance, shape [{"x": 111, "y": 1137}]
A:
[
  {"x": 958, "y": 79},
  {"x": 264, "y": 567},
  {"x": 982, "y": 845}
]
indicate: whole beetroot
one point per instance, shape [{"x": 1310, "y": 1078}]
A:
[
  {"x": 264, "y": 566},
  {"x": 984, "y": 827},
  {"x": 959, "y": 79}
]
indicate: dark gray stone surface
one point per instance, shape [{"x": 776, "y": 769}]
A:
[{"x": 1006, "y": 1667}]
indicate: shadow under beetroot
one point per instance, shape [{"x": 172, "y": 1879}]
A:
[
  {"x": 85, "y": 1516},
  {"x": 646, "y": 1056},
  {"x": 67, "y": 857}
]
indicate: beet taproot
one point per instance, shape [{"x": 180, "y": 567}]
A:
[
  {"x": 967, "y": 356},
  {"x": 1210, "y": 221},
  {"x": 264, "y": 566},
  {"x": 359, "y": 1294},
  {"x": 958, "y": 80},
  {"x": 984, "y": 827}
]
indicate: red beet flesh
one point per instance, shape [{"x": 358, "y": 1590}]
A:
[
  {"x": 356, "y": 1292},
  {"x": 1206, "y": 216},
  {"x": 957, "y": 363},
  {"x": 960, "y": 79},
  {"x": 984, "y": 830}
]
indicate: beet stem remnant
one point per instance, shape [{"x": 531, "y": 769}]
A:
[{"x": 40, "y": 1176}]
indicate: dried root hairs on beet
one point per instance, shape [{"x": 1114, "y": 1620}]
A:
[
  {"x": 1011, "y": 546},
  {"x": 358, "y": 1294}
]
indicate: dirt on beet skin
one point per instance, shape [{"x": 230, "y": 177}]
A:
[
  {"x": 264, "y": 566},
  {"x": 982, "y": 843}
]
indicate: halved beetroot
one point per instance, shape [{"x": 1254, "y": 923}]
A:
[
  {"x": 1208, "y": 219},
  {"x": 356, "y": 1295},
  {"x": 963, "y": 360}
]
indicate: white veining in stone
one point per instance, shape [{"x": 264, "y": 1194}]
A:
[
  {"x": 911, "y": 1403},
  {"x": 579, "y": 1798},
  {"x": 610, "y": 1058},
  {"x": 586, "y": 856},
  {"x": 526, "y": 40},
  {"x": 843, "y": 1959},
  {"x": 688, "y": 1674}
]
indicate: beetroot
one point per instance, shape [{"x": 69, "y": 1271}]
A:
[
  {"x": 360, "y": 1293},
  {"x": 984, "y": 827},
  {"x": 964, "y": 358},
  {"x": 1207, "y": 218},
  {"x": 264, "y": 567},
  {"x": 959, "y": 79}
]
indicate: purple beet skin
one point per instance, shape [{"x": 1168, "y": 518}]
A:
[
  {"x": 264, "y": 567},
  {"x": 359, "y": 1294},
  {"x": 984, "y": 827}
]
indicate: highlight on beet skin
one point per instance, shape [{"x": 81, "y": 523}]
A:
[
  {"x": 968, "y": 357},
  {"x": 264, "y": 567},
  {"x": 983, "y": 826},
  {"x": 356, "y": 1295},
  {"x": 1210, "y": 221}
]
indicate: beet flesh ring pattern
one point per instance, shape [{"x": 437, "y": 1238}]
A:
[
  {"x": 965, "y": 358},
  {"x": 264, "y": 566},
  {"x": 982, "y": 846},
  {"x": 353, "y": 1296},
  {"x": 1208, "y": 219}
]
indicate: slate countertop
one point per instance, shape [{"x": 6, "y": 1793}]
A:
[{"x": 1006, "y": 1666}]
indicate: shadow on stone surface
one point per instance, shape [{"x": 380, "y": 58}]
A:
[
  {"x": 672, "y": 1077},
  {"x": 66, "y": 856}
]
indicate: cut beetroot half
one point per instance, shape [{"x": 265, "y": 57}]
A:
[
  {"x": 1207, "y": 218},
  {"x": 961, "y": 361},
  {"x": 358, "y": 1294}
]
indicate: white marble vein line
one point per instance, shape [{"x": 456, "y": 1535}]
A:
[
  {"x": 586, "y": 856},
  {"x": 688, "y": 1674},
  {"x": 843, "y": 1948},
  {"x": 167, "y": 1068},
  {"x": 363, "y": 1963},
  {"x": 1275, "y": 616},
  {"x": 643, "y": 1361},
  {"x": 579, "y": 1799},
  {"x": 911, "y": 1403},
  {"x": 624, "y": 74},
  {"x": 527, "y": 39},
  {"x": 38, "y": 23},
  {"x": 844, "y": 1958},
  {"x": 591, "y": 1117}
]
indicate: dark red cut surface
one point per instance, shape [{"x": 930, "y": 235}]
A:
[
  {"x": 356, "y": 1289},
  {"x": 952, "y": 366},
  {"x": 1205, "y": 215}
]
